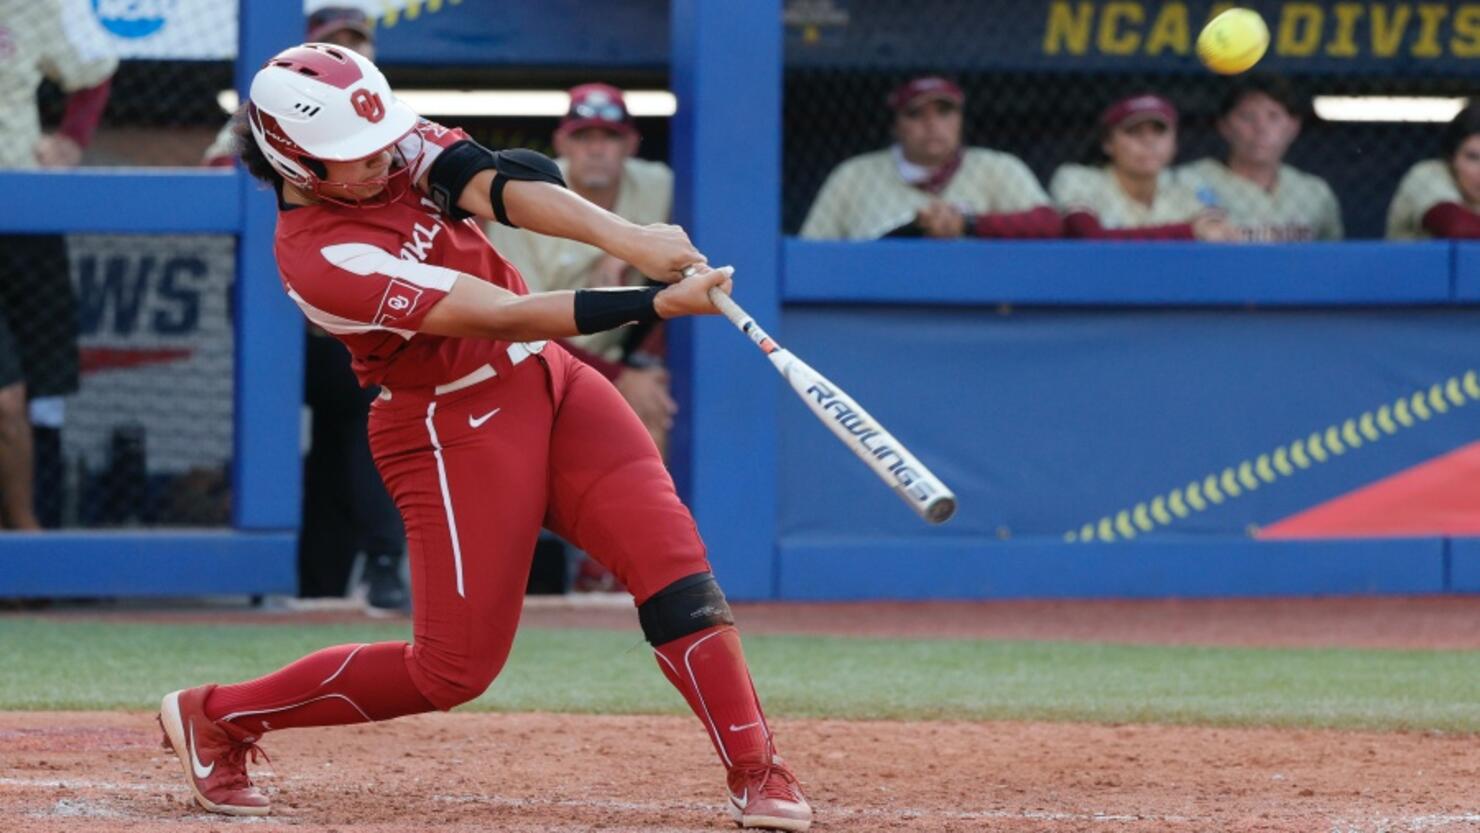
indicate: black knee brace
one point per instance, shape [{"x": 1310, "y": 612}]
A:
[{"x": 686, "y": 606}]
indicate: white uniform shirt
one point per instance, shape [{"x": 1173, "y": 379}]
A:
[
  {"x": 1095, "y": 189},
  {"x": 644, "y": 196},
  {"x": 34, "y": 43},
  {"x": 1426, "y": 184},
  {"x": 1301, "y": 206},
  {"x": 866, "y": 197}
]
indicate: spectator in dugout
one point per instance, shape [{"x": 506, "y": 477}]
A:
[
  {"x": 1130, "y": 193},
  {"x": 928, "y": 184},
  {"x": 39, "y": 361},
  {"x": 1265, "y": 199},
  {"x": 596, "y": 147},
  {"x": 1441, "y": 197}
]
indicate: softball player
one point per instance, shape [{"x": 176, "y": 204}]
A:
[
  {"x": 483, "y": 431},
  {"x": 1441, "y": 197}
]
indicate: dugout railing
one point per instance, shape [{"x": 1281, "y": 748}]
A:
[{"x": 256, "y": 555}]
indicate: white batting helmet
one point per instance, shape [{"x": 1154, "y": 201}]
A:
[{"x": 321, "y": 101}]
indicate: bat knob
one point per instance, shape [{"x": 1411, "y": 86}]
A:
[
  {"x": 690, "y": 271},
  {"x": 941, "y": 510}
]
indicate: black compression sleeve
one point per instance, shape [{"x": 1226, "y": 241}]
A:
[{"x": 607, "y": 309}]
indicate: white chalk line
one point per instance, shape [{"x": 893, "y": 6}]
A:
[{"x": 830, "y": 811}]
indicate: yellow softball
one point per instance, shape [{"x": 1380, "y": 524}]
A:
[{"x": 1233, "y": 41}]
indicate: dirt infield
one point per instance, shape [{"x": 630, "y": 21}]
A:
[
  {"x": 557, "y": 773},
  {"x": 560, "y": 773}
]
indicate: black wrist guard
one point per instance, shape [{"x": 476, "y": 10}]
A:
[{"x": 607, "y": 309}]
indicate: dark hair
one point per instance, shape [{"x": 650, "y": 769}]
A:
[
  {"x": 1464, "y": 125},
  {"x": 1273, "y": 86},
  {"x": 244, "y": 145}
]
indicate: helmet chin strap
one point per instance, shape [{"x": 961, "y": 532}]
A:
[{"x": 393, "y": 185}]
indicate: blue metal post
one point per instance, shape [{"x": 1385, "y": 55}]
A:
[
  {"x": 726, "y": 70},
  {"x": 267, "y": 475}
]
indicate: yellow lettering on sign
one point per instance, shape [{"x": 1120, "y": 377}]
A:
[
  {"x": 1388, "y": 27},
  {"x": 1466, "y": 43},
  {"x": 1112, "y": 40},
  {"x": 1068, "y": 28},
  {"x": 1169, "y": 31},
  {"x": 1430, "y": 16},
  {"x": 1343, "y": 44},
  {"x": 1300, "y": 29}
]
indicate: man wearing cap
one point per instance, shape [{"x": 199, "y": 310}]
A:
[
  {"x": 1131, "y": 193},
  {"x": 596, "y": 144},
  {"x": 1267, "y": 200},
  {"x": 927, "y": 183}
]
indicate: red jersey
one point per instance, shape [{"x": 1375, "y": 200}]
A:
[{"x": 368, "y": 276}]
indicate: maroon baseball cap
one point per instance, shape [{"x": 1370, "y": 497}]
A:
[
  {"x": 597, "y": 105},
  {"x": 331, "y": 19},
  {"x": 1134, "y": 109},
  {"x": 924, "y": 88}
]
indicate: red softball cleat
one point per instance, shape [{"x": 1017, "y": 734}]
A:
[
  {"x": 768, "y": 798},
  {"x": 214, "y": 754}
]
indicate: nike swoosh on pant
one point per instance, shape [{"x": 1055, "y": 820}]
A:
[
  {"x": 734, "y": 728},
  {"x": 478, "y": 421}
]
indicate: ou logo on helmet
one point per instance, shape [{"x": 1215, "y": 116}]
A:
[{"x": 367, "y": 105}]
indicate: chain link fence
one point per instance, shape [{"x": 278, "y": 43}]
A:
[
  {"x": 115, "y": 351},
  {"x": 1037, "y": 80},
  {"x": 123, "y": 345}
]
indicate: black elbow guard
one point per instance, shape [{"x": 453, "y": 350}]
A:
[
  {"x": 456, "y": 166},
  {"x": 521, "y": 164}
]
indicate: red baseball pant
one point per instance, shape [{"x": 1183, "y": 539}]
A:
[{"x": 476, "y": 473}]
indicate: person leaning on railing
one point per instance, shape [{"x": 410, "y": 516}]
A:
[
  {"x": 1267, "y": 200},
  {"x": 927, "y": 184},
  {"x": 1133, "y": 195},
  {"x": 1441, "y": 197},
  {"x": 39, "y": 358}
]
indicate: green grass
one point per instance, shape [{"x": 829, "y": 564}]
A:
[{"x": 110, "y": 665}]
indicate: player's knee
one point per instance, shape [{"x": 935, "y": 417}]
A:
[
  {"x": 686, "y": 606},
  {"x": 449, "y": 681}
]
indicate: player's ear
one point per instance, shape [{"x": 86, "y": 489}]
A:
[
  {"x": 630, "y": 143},
  {"x": 562, "y": 145}
]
